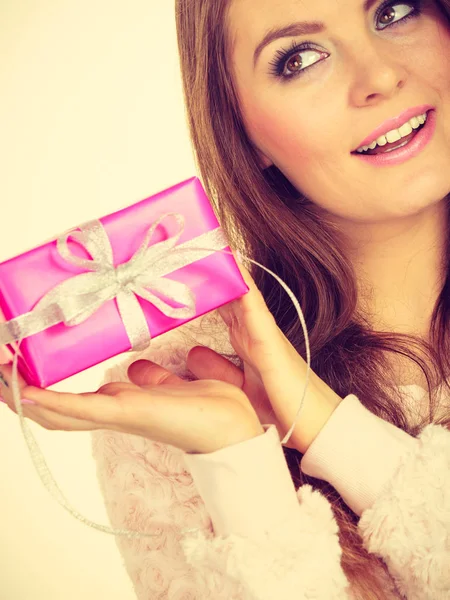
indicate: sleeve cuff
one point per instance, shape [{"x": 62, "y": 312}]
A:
[
  {"x": 357, "y": 453},
  {"x": 247, "y": 488}
]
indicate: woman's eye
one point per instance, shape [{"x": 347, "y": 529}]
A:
[
  {"x": 295, "y": 61},
  {"x": 297, "y": 64},
  {"x": 386, "y": 14}
]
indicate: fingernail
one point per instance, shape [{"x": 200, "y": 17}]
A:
[
  {"x": 23, "y": 401},
  {"x": 3, "y": 380}
]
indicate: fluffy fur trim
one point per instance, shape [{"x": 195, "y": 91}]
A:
[{"x": 409, "y": 524}]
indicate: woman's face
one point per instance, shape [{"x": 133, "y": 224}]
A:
[{"x": 364, "y": 68}]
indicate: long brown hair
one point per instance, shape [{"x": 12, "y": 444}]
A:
[{"x": 269, "y": 220}]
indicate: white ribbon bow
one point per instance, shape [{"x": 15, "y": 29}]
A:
[{"x": 79, "y": 297}]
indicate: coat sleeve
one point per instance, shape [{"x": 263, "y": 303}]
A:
[
  {"x": 229, "y": 525},
  {"x": 399, "y": 485},
  {"x": 271, "y": 540}
]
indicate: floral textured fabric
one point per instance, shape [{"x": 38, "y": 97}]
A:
[{"x": 248, "y": 549}]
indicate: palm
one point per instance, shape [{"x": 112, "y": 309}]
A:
[
  {"x": 205, "y": 363},
  {"x": 253, "y": 388}
]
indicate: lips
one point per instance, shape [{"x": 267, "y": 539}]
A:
[
  {"x": 393, "y": 145},
  {"x": 395, "y": 123}
]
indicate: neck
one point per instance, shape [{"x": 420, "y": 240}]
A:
[{"x": 400, "y": 268}]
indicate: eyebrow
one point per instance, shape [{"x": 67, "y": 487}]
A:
[{"x": 296, "y": 29}]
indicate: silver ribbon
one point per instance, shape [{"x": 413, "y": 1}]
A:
[{"x": 79, "y": 297}]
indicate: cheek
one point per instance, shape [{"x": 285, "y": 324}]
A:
[
  {"x": 308, "y": 148},
  {"x": 288, "y": 133},
  {"x": 431, "y": 60}
]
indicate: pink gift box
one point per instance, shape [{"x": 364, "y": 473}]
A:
[{"x": 61, "y": 351}]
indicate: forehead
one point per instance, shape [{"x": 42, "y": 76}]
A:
[
  {"x": 247, "y": 16},
  {"x": 247, "y": 21}
]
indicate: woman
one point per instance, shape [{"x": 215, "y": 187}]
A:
[{"x": 279, "y": 116}]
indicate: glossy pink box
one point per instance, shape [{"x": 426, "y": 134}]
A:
[{"x": 61, "y": 351}]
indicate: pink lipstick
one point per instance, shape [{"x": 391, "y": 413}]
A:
[{"x": 412, "y": 148}]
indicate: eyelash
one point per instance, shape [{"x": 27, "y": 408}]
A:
[{"x": 283, "y": 56}]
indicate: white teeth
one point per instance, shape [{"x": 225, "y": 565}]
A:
[{"x": 396, "y": 134}]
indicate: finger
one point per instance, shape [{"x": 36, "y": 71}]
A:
[
  {"x": 45, "y": 417},
  {"x": 6, "y": 382},
  {"x": 251, "y": 311},
  {"x": 173, "y": 415},
  {"x": 53, "y": 421},
  {"x": 112, "y": 388},
  {"x": 145, "y": 372},
  {"x": 117, "y": 405},
  {"x": 254, "y": 295},
  {"x": 95, "y": 407},
  {"x": 204, "y": 363}
]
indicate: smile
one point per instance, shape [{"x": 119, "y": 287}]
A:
[{"x": 402, "y": 150}]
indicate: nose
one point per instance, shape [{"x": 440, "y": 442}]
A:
[{"x": 376, "y": 74}]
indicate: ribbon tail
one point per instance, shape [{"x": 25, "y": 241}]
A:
[
  {"x": 134, "y": 320},
  {"x": 174, "y": 291},
  {"x": 44, "y": 472},
  {"x": 63, "y": 304},
  {"x": 29, "y": 323},
  {"x": 80, "y": 297}
]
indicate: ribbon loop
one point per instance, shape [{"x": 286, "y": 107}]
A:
[{"x": 94, "y": 240}]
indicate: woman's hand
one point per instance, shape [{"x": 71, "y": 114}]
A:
[
  {"x": 197, "y": 416},
  {"x": 274, "y": 373},
  {"x": 223, "y": 407}
]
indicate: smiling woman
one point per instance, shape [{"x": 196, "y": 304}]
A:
[{"x": 279, "y": 96}]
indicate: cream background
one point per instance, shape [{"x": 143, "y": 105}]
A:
[{"x": 91, "y": 120}]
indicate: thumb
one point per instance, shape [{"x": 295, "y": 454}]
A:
[
  {"x": 145, "y": 372},
  {"x": 205, "y": 363}
]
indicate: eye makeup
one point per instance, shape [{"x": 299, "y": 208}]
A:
[{"x": 279, "y": 65}]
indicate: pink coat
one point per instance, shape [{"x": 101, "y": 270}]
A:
[{"x": 262, "y": 539}]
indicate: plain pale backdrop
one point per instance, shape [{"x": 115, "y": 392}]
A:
[{"x": 91, "y": 120}]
